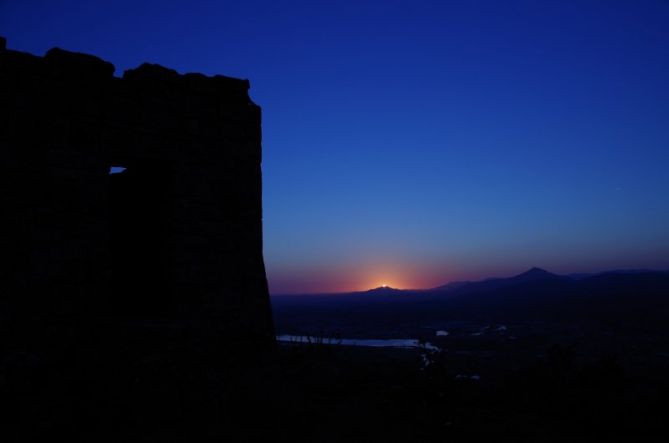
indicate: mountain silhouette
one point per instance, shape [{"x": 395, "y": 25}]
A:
[
  {"x": 384, "y": 290},
  {"x": 531, "y": 275},
  {"x": 636, "y": 299},
  {"x": 534, "y": 274}
]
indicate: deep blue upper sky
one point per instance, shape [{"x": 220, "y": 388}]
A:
[{"x": 413, "y": 142}]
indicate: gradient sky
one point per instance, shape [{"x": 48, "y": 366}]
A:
[{"x": 414, "y": 142}]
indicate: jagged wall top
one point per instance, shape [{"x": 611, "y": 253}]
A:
[
  {"x": 85, "y": 67},
  {"x": 184, "y": 219}
]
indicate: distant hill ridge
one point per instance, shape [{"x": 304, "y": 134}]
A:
[
  {"x": 534, "y": 275},
  {"x": 531, "y": 275},
  {"x": 384, "y": 290},
  {"x": 639, "y": 300}
]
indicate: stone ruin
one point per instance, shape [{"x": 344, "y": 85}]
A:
[{"x": 175, "y": 238}]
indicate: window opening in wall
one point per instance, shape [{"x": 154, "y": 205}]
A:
[{"x": 116, "y": 169}]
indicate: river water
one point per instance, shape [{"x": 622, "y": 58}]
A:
[{"x": 374, "y": 343}]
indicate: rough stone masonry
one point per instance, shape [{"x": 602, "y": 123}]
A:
[{"x": 176, "y": 237}]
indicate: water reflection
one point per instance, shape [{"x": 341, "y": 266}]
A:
[{"x": 374, "y": 343}]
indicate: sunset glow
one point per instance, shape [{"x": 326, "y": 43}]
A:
[
  {"x": 339, "y": 221},
  {"x": 360, "y": 276},
  {"x": 430, "y": 155}
]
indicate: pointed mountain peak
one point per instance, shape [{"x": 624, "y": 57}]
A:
[
  {"x": 383, "y": 290},
  {"x": 536, "y": 271},
  {"x": 535, "y": 274}
]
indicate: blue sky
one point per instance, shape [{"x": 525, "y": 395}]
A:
[{"x": 415, "y": 142}]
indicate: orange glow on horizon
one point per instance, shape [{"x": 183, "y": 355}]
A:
[
  {"x": 398, "y": 277},
  {"x": 359, "y": 277}
]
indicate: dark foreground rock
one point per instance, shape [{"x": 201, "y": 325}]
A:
[
  {"x": 175, "y": 238},
  {"x": 314, "y": 393}
]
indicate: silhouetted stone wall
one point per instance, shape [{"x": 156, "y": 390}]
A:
[{"x": 177, "y": 236}]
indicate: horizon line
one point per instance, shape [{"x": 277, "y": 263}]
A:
[{"x": 610, "y": 271}]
